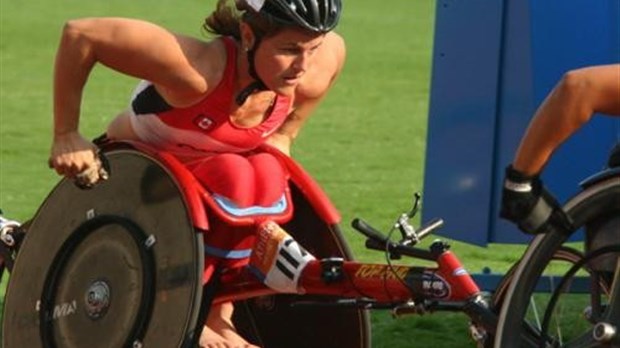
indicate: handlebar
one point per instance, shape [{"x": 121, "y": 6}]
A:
[
  {"x": 369, "y": 231},
  {"x": 429, "y": 228},
  {"x": 377, "y": 241},
  {"x": 410, "y": 237}
]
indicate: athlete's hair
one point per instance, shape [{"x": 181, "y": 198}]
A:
[
  {"x": 226, "y": 18},
  {"x": 267, "y": 17}
]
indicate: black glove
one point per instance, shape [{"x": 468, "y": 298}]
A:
[{"x": 527, "y": 203}]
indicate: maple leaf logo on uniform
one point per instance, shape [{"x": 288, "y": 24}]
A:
[{"x": 203, "y": 122}]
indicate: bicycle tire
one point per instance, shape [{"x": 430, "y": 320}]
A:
[
  {"x": 564, "y": 253},
  {"x": 596, "y": 200},
  {"x": 568, "y": 255}
]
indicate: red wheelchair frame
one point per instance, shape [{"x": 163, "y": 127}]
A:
[
  {"x": 449, "y": 281},
  {"x": 344, "y": 282},
  {"x": 337, "y": 281}
]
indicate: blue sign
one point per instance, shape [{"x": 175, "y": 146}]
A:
[{"x": 493, "y": 64}]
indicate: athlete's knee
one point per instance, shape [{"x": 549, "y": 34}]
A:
[
  {"x": 270, "y": 178},
  {"x": 230, "y": 176}
]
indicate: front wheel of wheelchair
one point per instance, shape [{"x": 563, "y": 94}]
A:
[
  {"x": 572, "y": 314},
  {"x": 119, "y": 265}
]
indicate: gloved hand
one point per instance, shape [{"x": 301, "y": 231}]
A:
[
  {"x": 92, "y": 175},
  {"x": 527, "y": 203},
  {"x": 78, "y": 159}
]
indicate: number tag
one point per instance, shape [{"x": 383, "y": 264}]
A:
[{"x": 277, "y": 259}]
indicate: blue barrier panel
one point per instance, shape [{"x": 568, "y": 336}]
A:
[{"x": 493, "y": 64}]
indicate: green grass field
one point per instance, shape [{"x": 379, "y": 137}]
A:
[{"x": 365, "y": 145}]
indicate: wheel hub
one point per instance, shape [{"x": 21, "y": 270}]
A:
[
  {"x": 97, "y": 299},
  {"x": 604, "y": 332}
]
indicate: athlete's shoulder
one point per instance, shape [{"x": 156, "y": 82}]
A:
[
  {"x": 208, "y": 59},
  {"x": 337, "y": 46},
  {"x": 201, "y": 53},
  {"x": 325, "y": 70}
]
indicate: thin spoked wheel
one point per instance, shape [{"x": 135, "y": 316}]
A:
[
  {"x": 579, "y": 308},
  {"x": 563, "y": 259}
]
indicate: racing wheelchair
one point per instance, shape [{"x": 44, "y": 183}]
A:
[{"x": 121, "y": 265}]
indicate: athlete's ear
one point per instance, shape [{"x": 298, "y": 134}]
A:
[{"x": 247, "y": 36}]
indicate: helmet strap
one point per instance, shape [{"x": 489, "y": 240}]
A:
[
  {"x": 243, "y": 95},
  {"x": 257, "y": 84}
]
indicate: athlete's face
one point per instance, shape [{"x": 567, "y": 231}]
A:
[{"x": 283, "y": 59}]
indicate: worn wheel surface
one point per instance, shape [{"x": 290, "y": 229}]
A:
[{"x": 119, "y": 265}]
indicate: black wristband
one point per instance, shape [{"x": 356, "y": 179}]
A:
[{"x": 517, "y": 176}]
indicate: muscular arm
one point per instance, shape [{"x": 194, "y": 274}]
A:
[
  {"x": 580, "y": 94},
  {"x": 132, "y": 47},
  {"x": 283, "y": 138}
]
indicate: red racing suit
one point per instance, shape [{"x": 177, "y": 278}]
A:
[{"x": 221, "y": 155}]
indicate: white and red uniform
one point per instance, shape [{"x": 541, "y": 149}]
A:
[
  {"x": 204, "y": 128},
  {"x": 219, "y": 153}
]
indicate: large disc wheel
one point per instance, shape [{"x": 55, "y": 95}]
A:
[
  {"x": 125, "y": 273},
  {"x": 119, "y": 265}
]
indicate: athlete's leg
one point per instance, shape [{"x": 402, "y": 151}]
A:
[{"x": 220, "y": 331}]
